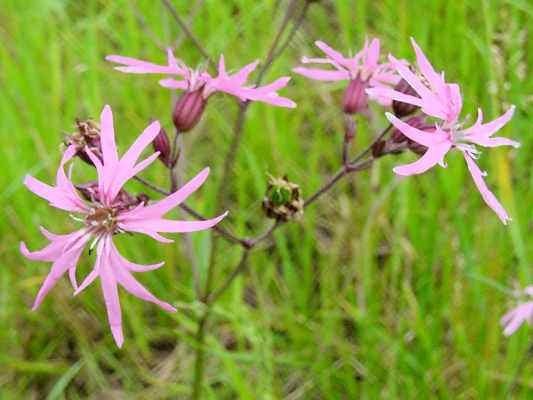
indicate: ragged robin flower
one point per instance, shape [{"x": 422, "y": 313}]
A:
[
  {"x": 361, "y": 71},
  {"x": 105, "y": 215},
  {"x": 522, "y": 313},
  {"x": 443, "y": 101},
  {"x": 199, "y": 85}
]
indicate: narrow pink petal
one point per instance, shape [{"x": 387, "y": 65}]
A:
[
  {"x": 72, "y": 277},
  {"x": 154, "y": 235},
  {"x": 424, "y": 138},
  {"x": 372, "y": 54},
  {"x": 62, "y": 197},
  {"x": 107, "y": 137},
  {"x": 455, "y": 100},
  {"x": 133, "y": 266},
  {"x": 508, "y": 317},
  {"x": 480, "y": 133},
  {"x": 110, "y": 292},
  {"x": 67, "y": 260},
  {"x": 322, "y": 75},
  {"x": 49, "y": 235},
  {"x": 135, "y": 66},
  {"x": 49, "y": 253},
  {"x": 333, "y": 54},
  {"x": 426, "y": 68},
  {"x": 174, "y": 84},
  {"x": 59, "y": 245},
  {"x": 64, "y": 184},
  {"x": 394, "y": 95},
  {"x": 516, "y": 317},
  {"x": 242, "y": 76},
  {"x": 129, "y": 283},
  {"x": 87, "y": 281},
  {"x": 222, "y": 66},
  {"x": 494, "y": 142},
  {"x": 487, "y": 195},
  {"x": 433, "y": 156},
  {"x": 160, "y": 208},
  {"x": 125, "y": 174},
  {"x": 171, "y": 60},
  {"x": 278, "y": 84},
  {"x": 135, "y": 288},
  {"x": 411, "y": 78},
  {"x": 166, "y": 225},
  {"x": 131, "y": 156},
  {"x": 103, "y": 175}
]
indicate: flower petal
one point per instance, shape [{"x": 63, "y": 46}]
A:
[
  {"x": 161, "y": 207},
  {"x": 322, "y": 75},
  {"x": 424, "y": 138},
  {"x": 166, "y": 225},
  {"x": 110, "y": 292},
  {"x": 67, "y": 260},
  {"x": 487, "y": 195},
  {"x": 433, "y": 156},
  {"x": 480, "y": 133}
]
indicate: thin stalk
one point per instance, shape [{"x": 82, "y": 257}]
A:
[
  {"x": 367, "y": 149},
  {"x": 221, "y": 197},
  {"x": 188, "y": 32}
]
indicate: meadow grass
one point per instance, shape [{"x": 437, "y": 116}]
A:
[{"x": 387, "y": 288}]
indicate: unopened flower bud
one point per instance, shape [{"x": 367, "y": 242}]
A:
[
  {"x": 142, "y": 198},
  {"x": 404, "y": 109},
  {"x": 378, "y": 148},
  {"x": 188, "y": 110},
  {"x": 349, "y": 129},
  {"x": 283, "y": 200},
  {"x": 355, "y": 97},
  {"x": 161, "y": 144},
  {"x": 416, "y": 148},
  {"x": 87, "y": 136}
]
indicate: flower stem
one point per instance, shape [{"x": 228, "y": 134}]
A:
[
  {"x": 188, "y": 32},
  {"x": 368, "y": 148}
]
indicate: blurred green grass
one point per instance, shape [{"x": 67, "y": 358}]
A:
[{"x": 386, "y": 289}]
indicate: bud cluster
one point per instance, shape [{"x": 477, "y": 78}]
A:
[
  {"x": 87, "y": 136},
  {"x": 283, "y": 200}
]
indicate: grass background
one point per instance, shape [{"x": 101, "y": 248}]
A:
[{"x": 386, "y": 289}]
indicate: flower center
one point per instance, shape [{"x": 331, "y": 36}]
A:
[{"x": 102, "y": 219}]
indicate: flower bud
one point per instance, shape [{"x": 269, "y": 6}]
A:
[
  {"x": 283, "y": 200},
  {"x": 355, "y": 97},
  {"x": 161, "y": 144},
  {"x": 378, "y": 148},
  {"x": 404, "y": 109},
  {"x": 142, "y": 198},
  {"x": 416, "y": 148},
  {"x": 188, "y": 110},
  {"x": 88, "y": 135}
]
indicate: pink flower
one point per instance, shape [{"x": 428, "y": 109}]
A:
[
  {"x": 107, "y": 215},
  {"x": 517, "y": 316},
  {"x": 192, "y": 80},
  {"x": 444, "y": 101},
  {"x": 364, "y": 66}
]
